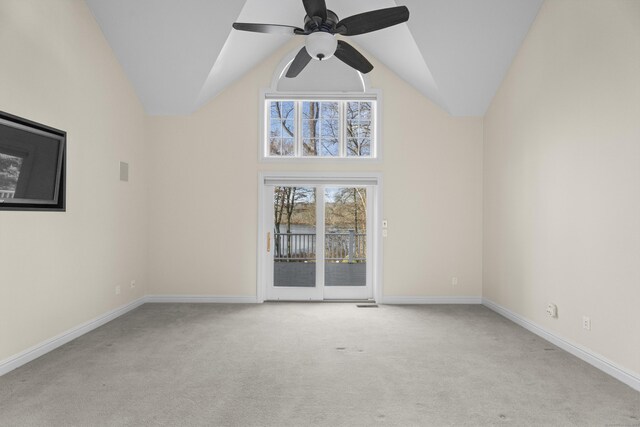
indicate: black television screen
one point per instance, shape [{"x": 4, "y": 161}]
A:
[{"x": 31, "y": 165}]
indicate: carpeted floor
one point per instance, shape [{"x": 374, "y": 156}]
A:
[{"x": 296, "y": 364}]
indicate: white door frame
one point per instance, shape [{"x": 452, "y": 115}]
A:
[{"x": 330, "y": 178}]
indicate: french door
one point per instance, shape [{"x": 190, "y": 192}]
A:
[{"x": 318, "y": 242}]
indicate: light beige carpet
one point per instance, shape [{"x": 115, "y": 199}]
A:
[{"x": 295, "y": 364}]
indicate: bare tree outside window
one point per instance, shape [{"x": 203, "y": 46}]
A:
[
  {"x": 358, "y": 128},
  {"x": 320, "y": 129},
  {"x": 292, "y": 205},
  {"x": 282, "y": 128}
]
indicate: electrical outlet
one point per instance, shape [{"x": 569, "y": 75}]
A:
[
  {"x": 118, "y": 290},
  {"x": 586, "y": 323},
  {"x": 552, "y": 310},
  {"x": 133, "y": 284},
  {"x": 454, "y": 281},
  {"x": 384, "y": 233},
  {"x": 385, "y": 224}
]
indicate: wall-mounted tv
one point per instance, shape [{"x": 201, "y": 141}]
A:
[{"x": 32, "y": 165}]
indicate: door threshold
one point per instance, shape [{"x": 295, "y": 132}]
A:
[{"x": 330, "y": 301}]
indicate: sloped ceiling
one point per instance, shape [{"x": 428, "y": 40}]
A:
[{"x": 180, "y": 54}]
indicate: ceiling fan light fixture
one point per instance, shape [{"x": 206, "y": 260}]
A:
[
  {"x": 321, "y": 45},
  {"x": 320, "y": 28}
]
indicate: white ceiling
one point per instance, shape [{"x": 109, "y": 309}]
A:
[{"x": 181, "y": 54}]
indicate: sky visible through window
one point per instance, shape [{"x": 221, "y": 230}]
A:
[
  {"x": 282, "y": 128},
  {"x": 358, "y": 128},
  {"x": 320, "y": 129}
]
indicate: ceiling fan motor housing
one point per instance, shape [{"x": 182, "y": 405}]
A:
[{"x": 315, "y": 23}]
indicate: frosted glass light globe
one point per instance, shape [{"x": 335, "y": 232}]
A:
[{"x": 321, "y": 45}]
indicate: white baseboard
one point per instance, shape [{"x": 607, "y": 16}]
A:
[
  {"x": 44, "y": 347},
  {"x": 430, "y": 300},
  {"x": 201, "y": 299},
  {"x": 630, "y": 378}
]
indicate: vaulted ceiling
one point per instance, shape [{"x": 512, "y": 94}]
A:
[{"x": 180, "y": 54}]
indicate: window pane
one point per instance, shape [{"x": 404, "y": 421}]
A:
[
  {"x": 364, "y": 129},
  {"x": 294, "y": 237},
  {"x": 352, "y": 147},
  {"x": 274, "y": 147},
  {"x": 365, "y": 147},
  {"x": 330, "y": 147},
  {"x": 288, "y": 128},
  {"x": 330, "y": 110},
  {"x": 288, "y": 147},
  {"x": 358, "y": 147},
  {"x": 330, "y": 129},
  {"x": 306, "y": 133},
  {"x": 274, "y": 108},
  {"x": 358, "y": 128},
  {"x": 309, "y": 147},
  {"x": 310, "y": 110},
  {"x": 365, "y": 110},
  {"x": 282, "y": 110},
  {"x": 310, "y": 129},
  {"x": 345, "y": 242},
  {"x": 288, "y": 110},
  {"x": 320, "y": 128},
  {"x": 281, "y": 125},
  {"x": 352, "y": 110},
  {"x": 275, "y": 129}
]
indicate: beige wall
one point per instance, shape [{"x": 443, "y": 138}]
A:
[
  {"x": 204, "y": 211},
  {"x": 561, "y": 158},
  {"x": 60, "y": 269},
  {"x": 562, "y": 177}
]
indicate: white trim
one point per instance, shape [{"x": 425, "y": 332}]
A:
[
  {"x": 431, "y": 300},
  {"x": 288, "y": 59},
  {"x": 326, "y": 178},
  {"x": 46, "y": 346},
  {"x": 376, "y": 236},
  {"x": 370, "y": 95},
  {"x": 630, "y": 378},
  {"x": 321, "y": 181},
  {"x": 262, "y": 257},
  {"x": 208, "y": 299}
]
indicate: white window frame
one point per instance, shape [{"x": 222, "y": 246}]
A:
[{"x": 266, "y": 97}]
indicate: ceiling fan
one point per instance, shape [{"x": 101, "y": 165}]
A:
[{"x": 320, "y": 28}]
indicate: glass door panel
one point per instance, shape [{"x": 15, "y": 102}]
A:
[
  {"x": 294, "y": 237},
  {"x": 345, "y": 251}
]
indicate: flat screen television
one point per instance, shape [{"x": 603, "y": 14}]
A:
[{"x": 32, "y": 165}]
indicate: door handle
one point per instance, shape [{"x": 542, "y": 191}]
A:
[{"x": 268, "y": 241}]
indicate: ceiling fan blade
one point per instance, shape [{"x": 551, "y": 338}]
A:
[
  {"x": 315, "y": 8},
  {"x": 372, "y": 21},
  {"x": 268, "y": 28},
  {"x": 299, "y": 62},
  {"x": 350, "y": 56}
]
